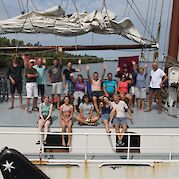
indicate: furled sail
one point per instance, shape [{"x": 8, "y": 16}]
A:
[{"x": 54, "y": 21}]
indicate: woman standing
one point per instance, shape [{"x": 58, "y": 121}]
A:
[
  {"x": 86, "y": 112},
  {"x": 80, "y": 90},
  {"x": 140, "y": 87},
  {"x": 45, "y": 118},
  {"x": 66, "y": 114}
]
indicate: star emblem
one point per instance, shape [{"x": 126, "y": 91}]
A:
[{"x": 8, "y": 166}]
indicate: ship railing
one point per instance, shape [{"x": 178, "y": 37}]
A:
[{"x": 170, "y": 147}]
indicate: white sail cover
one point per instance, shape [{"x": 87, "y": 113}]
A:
[{"x": 54, "y": 21}]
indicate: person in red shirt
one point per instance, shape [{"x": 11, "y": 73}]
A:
[{"x": 123, "y": 90}]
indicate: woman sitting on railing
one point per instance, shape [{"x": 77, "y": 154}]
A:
[
  {"x": 66, "y": 114},
  {"x": 45, "y": 118},
  {"x": 105, "y": 110},
  {"x": 86, "y": 112}
]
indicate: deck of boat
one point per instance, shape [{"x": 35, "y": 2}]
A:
[{"x": 20, "y": 118}]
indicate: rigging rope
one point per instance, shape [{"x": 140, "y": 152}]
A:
[
  {"x": 160, "y": 21},
  {"x": 141, "y": 18},
  {"x": 150, "y": 21},
  {"x": 125, "y": 10},
  {"x": 154, "y": 16},
  {"x": 5, "y": 8},
  {"x": 66, "y": 5},
  {"x": 34, "y": 5},
  {"x": 125, "y": 32},
  {"x": 61, "y": 4},
  {"x": 20, "y": 6},
  {"x": 167, "y": 28},
  {"x": 144, "y": 49},
  {"x": 23, "y": 6},
  {"x": 129, "y": 9},
  {"x": 148, "y": 7}
]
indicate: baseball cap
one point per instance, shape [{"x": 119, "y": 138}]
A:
[{"x": 31, "y": 61}]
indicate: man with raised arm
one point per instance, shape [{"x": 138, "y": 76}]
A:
[
  {"x": 96, "y": 86},
  {"x": 55, "y": 77},
  {"x": 67, "y": 75}
]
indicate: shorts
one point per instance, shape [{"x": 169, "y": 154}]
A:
[
  {"x": 105, "y": 117},
  {"x": 140, "y": 93},
  {"x": 17, "y": 86},
  {"x": 32, "y": 90},
  {"x": 69, "y": 87},
  {"x": 154, "y": 90},
  {"x": 96, "y": 94},
  {"x": 120, "y": 121},
  {"x": 41, "y": 90},
  {"x": 77, "y": 95},
  {"x": 132, "y": 90},
  {"x": 49, "y": 119},
  {"x": 57, "y": 88}
]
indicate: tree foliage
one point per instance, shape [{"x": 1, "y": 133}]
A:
[{"x": 49, "y": 55}]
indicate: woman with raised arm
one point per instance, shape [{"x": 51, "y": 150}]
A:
[
  {"x": 80, "y": 90},
  {"x": 45, "y": 118},
  {"x": 66, "y": 114},
  {"x": 86, "y": 112},
  {"x": 140, "y": 86},
  {"x": 96, "y": 86}
]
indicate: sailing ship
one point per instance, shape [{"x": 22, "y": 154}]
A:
[{"x": 151, "y": 144}]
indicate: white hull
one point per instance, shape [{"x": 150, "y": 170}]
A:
[{"x": 106, "y": 163}]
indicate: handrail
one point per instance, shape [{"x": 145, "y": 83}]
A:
[
  {"x": 86, "y": 148},
  {"x": 106, "y": 134}
]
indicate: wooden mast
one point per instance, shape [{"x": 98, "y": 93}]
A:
[{"x": 174, "y": 33}]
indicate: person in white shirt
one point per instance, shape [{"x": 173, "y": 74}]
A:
[
  {"x": 118, "y": 117},
  {"x": 157, "y": 79}
]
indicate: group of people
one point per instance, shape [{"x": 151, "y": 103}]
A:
[{"x": 108, "y": 98}]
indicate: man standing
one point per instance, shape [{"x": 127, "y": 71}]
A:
[
  {"x": 67, "y": 74},
  {"x": 157, "y": 79},
  {"x": 31, "y": 75},
  {"x": 41, "y": 77},
  {"x": 109, "y": 86},
  {"x": 96, "y": 86},
  {"x": 14, "y": 74},
  {"x": 55, "y": 77}
]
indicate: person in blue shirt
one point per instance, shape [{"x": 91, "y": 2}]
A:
[
  {"x": 109, "y": 86},
  {"x": 41, "y": 77},
  {"x": 140, "y": 85}
]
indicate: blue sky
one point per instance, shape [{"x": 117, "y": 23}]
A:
[{"x": 117, "y": 6}]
